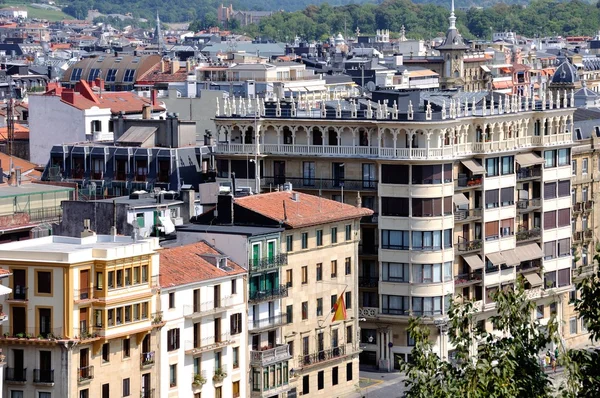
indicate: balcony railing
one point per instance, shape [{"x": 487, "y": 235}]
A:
[
  {"x": 270, "y": 294},
  {"x": 588, "y": 234},
  {"x": 527, "y": 234},
  {"x": 368, "y": 312},
  {"x": 529, "y": 205},
  {"x": 321, "y": 356},
  {"x": 86, "y": 373},
  {"x": 368, "y": 249},
  {"x": 16, "y": 375},
  {"x": 45, "y": 214},
  {"x": 266, "y": 263},
  {"x": 577, "y": 207},
  {"x": 86, "y": 293},
  {"x": 19, "y": 293},
  {"x": 147, "y": 358},
  {"x": 147, "y": 393},
  {"x": 467, "y": 279},
  {"x": 269, "y": 356},
  {"x": 208, "y": 307},
  {"x": 529, "y": 172},
  {"x": 577, "y": 236},
  {"x": 529, "y": 266},
  {"x": 269, "y": 322},
  {"x": 466, "y": 246},
  {"x": 207, "y": 344},
  {"x": 368, "y": 281},
  {"x": 468, "y": 182},
  {"x": 43, "y": 375},
  {"x": 588, "y": 205},
  {"x": 467, "y": 215},
  {"x": 321, "y": 183}
]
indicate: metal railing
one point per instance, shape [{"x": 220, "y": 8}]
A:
[
  {"x": 208, "y": 307},
  {"x": 269, "y": 294},
  {"x": 588, "y": 205},
  {"x": 467, "y": 214},
  {"x": 368, "y": 281},
  {"x": 147, "y": 358},
  {"x": 271, "y": 355},
  {"x": 322, "y": 356},
  {"x": 207, "y": 343},
  {"x": 147, "y": 393},
  {"x": 465, "y": 246},
  {"x": 468, "y": 278},
  {"x": 529, "y": 172},
  {"x": 577, "y": 236},
  {"x": 18, "y": 375},
  {"x": 85, "y": 373},
  {"x": 527, "y": 234},
  {"x": 577, "y": 207},
  {"x": 33, "y": 333},
  {"x": 45, "y": 214},
  {"x": 43, "y": 375},
  {"x": 19, "y": 293},
  {"x": 468, "y": 182},
  {"x": 266, "y": 263},
  {"x": 321, "y": 183},
  {"x": 368, "y": 249},
  {"x": 527, "y": 266},
  {"x": 272, "y": 321},
  {"x": 588, "y": 234},
  {"x": 530, "y": 204}
]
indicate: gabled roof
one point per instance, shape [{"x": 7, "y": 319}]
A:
[
  {"x": 184, "y": 264},
  {"x": 308, "y": 210}
]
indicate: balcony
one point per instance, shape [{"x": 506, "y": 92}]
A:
[
  {"x": 208, "y": 307},
  {"x": 463, "y": 183},
  {"x": 529, "y": 173},
  {"x": 147, "y": 393},
  {"x": 270, "y": 356},
  {"x": 267, "y": 263},
  {"x": 588, "y": 234},
  {"x": 372, "y": 219},
  {"x": 321, "y": 356},
  {"x": 467, "y": 246},
  {"x": 368, "y": 281},
  {"x": 466, "y": 215},
  {"x": 577, "y": 207},
  {"x": 17, "y": 376},
  {"x": 333, "y": 184},
  {"x": 43, "y": 376},
  {"x": 368, "y": 250},
  {"x": 146, "y": 359},
  {"x": 471, "y": 278},
  {"x": 267, "y": 295},
  {"x": 526, "y": 206},
  {"x": 529, "y": 266},
  {"x": 207, "y": 344},
  {"x": 577, "y": 236},
  {"x": 525, "y": 234},
  {"x": 85, "y": 374},
  {"x": 19, "y": 293},
  {"x": 368, "y": 312},
  {"x": 588, "y": 205},
  {"x": 267, "y": 323},
  {"x": 582, "y": 271},
  {"x": 84, "y": 294}
]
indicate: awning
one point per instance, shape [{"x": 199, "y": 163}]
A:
[
  {"x": 533, "y": 279},
  {"x": 485, "y": 68},
  {"x": 474, "y": 261},
  {"x": 4, "y": 290},
  {"x": 501, "y": 85},
  {"x": 506, "y": 70},
  {"x": 472, "y": 165},
  {"x": 496, "y": 259},
  {"x": 460, "y": 200},
  {"x": 168, "y": 225},
  {"x": 528, "y": 159},
  {"x": 511, "y": 258},
  {"x": 578, "y": 64},
  {"x": 529, "y": 251}
]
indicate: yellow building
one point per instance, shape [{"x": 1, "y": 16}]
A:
[{"x": 83, "y": 318}]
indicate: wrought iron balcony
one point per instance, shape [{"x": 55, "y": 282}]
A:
[
  {"x": 43, "y": 375},
  {"x": 368, "y": 312},
  {"x": 19, "y": 293},
  {"x": 267, "y": 323},
  {"x": 266, "y": 263},
  {"x": 467, "y": 279},
  {"x": 258, "y": 296},
  {"x": 368, "y": 281},
  {"x": 466, "y": 246},
  {"x": 207, "y": 344},
  {"x": 467, "y": 215},
  {"x": 368, "y": 249},
  {"x": 525, "y": 234},
  {"x": 468, "y": 182},
  {"x": 86, "y": 373},
  {"x": 147, "y": 358},
  {"x": 529, "y": 172},
  {"x": 147, "y": 393},
  {"x": 529, "y": 266},
  {"x": 270, "y": 356},
  {"x": 321, "y": 356},
  {"x": 16, "y": 375}
]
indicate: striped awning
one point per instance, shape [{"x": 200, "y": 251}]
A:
[
  {"x": 529, "y": 251},
  {"x": 528, "y": 159},
  {"x": 533, "y": 279},
  {"x": 511, "y": 258},
  {"x": 474, "y": 261},
  {"x": 496, "y": 258}
]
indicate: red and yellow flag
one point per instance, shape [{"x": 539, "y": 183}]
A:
[{"x": 339, "y": 309}]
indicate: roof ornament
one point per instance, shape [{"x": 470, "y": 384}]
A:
[
  {"x": 218, "y": 108},
  {"x": 443, "y": 109},
  {"x": 410, "y": 113}
]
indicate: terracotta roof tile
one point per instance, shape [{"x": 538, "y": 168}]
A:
[
  {"x": 308, "y": 210},
  {"x": 21, "y": 132},
  {"x": 182, "y": 265}
]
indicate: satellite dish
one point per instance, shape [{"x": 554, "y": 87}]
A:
[{"x": 371, "y": 86}]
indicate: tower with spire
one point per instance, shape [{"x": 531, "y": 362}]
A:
[
  {"x": 158, "y": 36},
  {"x": 452, "y": 50}
]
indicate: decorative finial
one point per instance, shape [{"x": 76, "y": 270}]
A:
[{"x": 452, "y": 18}]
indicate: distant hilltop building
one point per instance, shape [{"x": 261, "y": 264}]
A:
[
  {"x": 226, "y": 14},
  {"x": 14, "y": 12}
]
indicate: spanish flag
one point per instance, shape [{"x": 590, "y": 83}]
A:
[{"x": 339, "y": 309}]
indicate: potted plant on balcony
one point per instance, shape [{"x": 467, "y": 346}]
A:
[
  {"x": 199, "y": 380},
  {"x": 219, "y": 375}
]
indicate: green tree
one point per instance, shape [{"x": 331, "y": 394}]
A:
[{"x": 505, "y": 363}]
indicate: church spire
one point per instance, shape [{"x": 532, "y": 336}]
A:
[
  {"x": 158, "y": 36},
  {"x": 452, "y": 17}
]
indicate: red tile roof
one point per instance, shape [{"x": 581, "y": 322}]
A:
[
  {"x": 182, "y": 265},
  {"x": 307, "y": 211},
  {"x": 27, "y": 168},
  {"x": 21, "y": 132}
]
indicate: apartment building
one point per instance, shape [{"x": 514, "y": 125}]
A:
[
  {"x": 297, "y": 273},
  {"x": 83, "y": 317},
  {"x": 470, "y": 191},
  {"x": 203, "y": 348}
]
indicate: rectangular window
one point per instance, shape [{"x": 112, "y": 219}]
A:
[
  {"x": 126, "y": 348},
  {"x": 394, "y": 305},
  {"x": 427, "y": 207},
  {"x": 584, "y": 166},
  {"x": 44, "y": 282},
  {"x": 507, "y": 227},
  {"x": 491, "y": 230},
  {"x": 319, "y": 237},
  {"x": 173, "y": 375},
  {"x": 394, "y": 174},
  {"x": 397, "y": 207},
  {"x": 395, "y": 272},
  {"x": 564, "y": 156},
  {"x": 129, "y": 74},
  {"x": 304, "y": 275},
  {"x": 319, "y": 272},
  {"x": 508, "y": 165},
  {"x": 507, "y": 196},
  {"x": 126, "y": 387},
  {"x": 349, "y": 335},
  {"x": 394, "y": 240},
  {"x": 305, "y": 385},
  {"x": 491, "y": 167},
  {"x": 289, "y": 278},
  {"x": 334, "y": 235},
  {"x": 348, "y": 265},
  {"x": 564, "y": 247},
  {"x": 348, "y": 300},
  {"x": 550, "y": 280},
  {"x": 171, "y": 300},
  {"x": 564, "y": 188},
  {"x": 304, "y": 240},
  {"x": 233, "y": 286},
  {"x": 106, "y": 352},
  {"x": 549, "y": 250},
  {"x": 289, "y": 243},
  {"x": 550, "y": 159},
  {"x": 492, "y": 198},
  {"x": 573, "y": 325},
  {"x": 550, "y": 220},
  {"x": 308, "y": 174},
  {"x": 426, "y": 240},
  {"x": 539, "y": 311},
  {"x": 334, "y": 268},
  {"x": 564, "y": 277},
  {"x": 348, "y": 232},
  {"x": 289, "y": 311},
  {"x": 550, "y": 190},
  {"x": 235, "y": 323},
  {"x": 236, "y": 357},
  {"x": 427, "y": 174},
  {"x": 334, "y": 376},
  {"x": 321, "y": 380},
  {"x": 333, "y": 299},
  {"x": 319, "y": 307},
  {"x": 173, "y": 339},
  {"x": 564, "y": 217},
  {"x": 349, "y": 371},
  {"x": 304, "y": 310}
]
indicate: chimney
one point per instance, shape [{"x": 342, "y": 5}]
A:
[
  {"x": 86, "y": 229},
  {"x": 147, "y": 112},
  {"x": 188, "y": 196},
  {"x": 154, "y": 97},
  {"x": 99, "y": 83},
  {"x": 163, "y": 66},
  {"x": 208, "y": 140},
  {"x": 225, "y": 209},
  {"x": 174, "y": 66},
  {"x": 68, "y": 96},
  {"x": 295, "y": 197}
]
